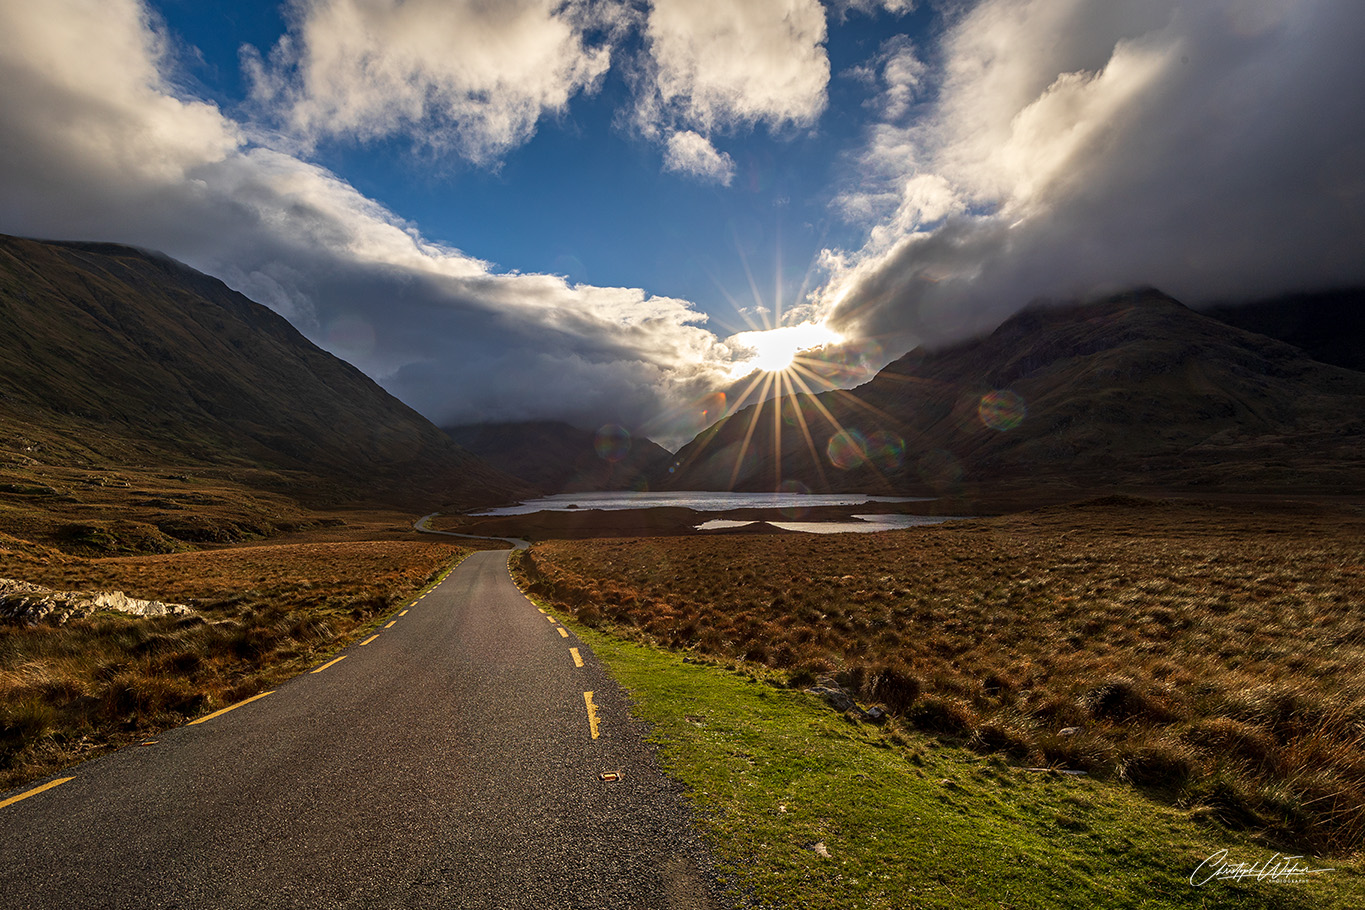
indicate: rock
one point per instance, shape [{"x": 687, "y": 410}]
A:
[
  {"x": 875, "y": 714},
  {"x": 27, "y": 603},
  {"x": 837, "y": 698},
  {"x": 1068, "y": 731},
  {"x": 820, "y": 849}
]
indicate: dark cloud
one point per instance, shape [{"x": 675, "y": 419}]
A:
[{"x": 1213, "y": 149}]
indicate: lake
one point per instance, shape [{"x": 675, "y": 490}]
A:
[
  {"x": 700, "y": 501},
  {"x": 791, "y": 504}
]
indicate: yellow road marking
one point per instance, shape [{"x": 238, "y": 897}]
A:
[
  {"x": 550, "y": 618},
  {"x": 328, "y": 664},
  {"x": 541, "y": 609},
  {"x": 368, "y": 640},
  {"x": 577, "y": 658},
  {"x": 562, "y": 633},
  {"x": 35, "y": 791},
  {"x": 238, "y": 705},
  {"x": 592, "y": 714},
  {"x": 151, "y": 742},
  {"x": 391, "y": 623},
  {"x": 404, "y": 613}
]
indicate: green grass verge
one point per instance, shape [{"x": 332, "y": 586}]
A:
[{"x": 910, "y": 822}]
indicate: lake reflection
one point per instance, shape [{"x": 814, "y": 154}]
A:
[{"x": 867, "y": 524}]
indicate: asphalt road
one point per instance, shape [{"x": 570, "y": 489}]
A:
[{"x": 450, "y": 761}]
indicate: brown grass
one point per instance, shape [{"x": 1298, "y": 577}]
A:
[
  {"x": 1212, "y": 654},
  {"x": 265, "y": 612}
]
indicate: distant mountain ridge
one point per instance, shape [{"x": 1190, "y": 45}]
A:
[
  {"x": 111, "y": 355},
  {"x": 556, "y": 457},
  {"x": 1133, "y": 390}
]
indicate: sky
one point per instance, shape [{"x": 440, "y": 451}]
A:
[{"x": 615, "y": 211}]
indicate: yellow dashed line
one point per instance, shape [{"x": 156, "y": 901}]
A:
[
  {"x": 577, "y": 658},
  {"x": 562, "y": 633},
  {"x": 541, "y": 609},
  {"x": 550, "y": 618},
  {"x": 368, "y": 640},
  {"x": 328, "y": 664},
  {"x": 404, "y": 613},
  {"x": 35, "y": 791},
  {"x": 391, "y": 623},
  {"x": 239, "y": 704},
  {"x": 592, "y": 714}
]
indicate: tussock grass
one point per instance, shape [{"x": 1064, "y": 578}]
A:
[
  {"x": 264, "y": 613},
  {"x": 1210, "y": 655}
]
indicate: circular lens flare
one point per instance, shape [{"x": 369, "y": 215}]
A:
[
  {"x": 1001, "y": 410},
  {"x": 612, "y": 443}
]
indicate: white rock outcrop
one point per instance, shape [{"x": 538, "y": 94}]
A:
[{"x": 27, "y": 603}]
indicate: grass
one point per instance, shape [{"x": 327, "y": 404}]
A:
[
  {"x": 907, "y": 822},
  {"x": 264, "y": 613},
  {"x": 1208, "y": 656}
]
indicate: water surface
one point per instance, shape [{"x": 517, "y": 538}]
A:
[{"x": 700, "y": 501}]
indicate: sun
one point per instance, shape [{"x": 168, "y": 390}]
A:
[{"x": 774, "y": 350}]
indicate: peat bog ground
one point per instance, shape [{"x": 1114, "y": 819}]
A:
[{"x": 1208, "y": 654}]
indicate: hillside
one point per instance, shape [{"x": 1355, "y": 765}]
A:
[
  {"x": 555, "y": 457},
  {"x": 1136, "y": 390},
  {"x": 114, "y": 360},
  {"x": 1328, "y": 326}
]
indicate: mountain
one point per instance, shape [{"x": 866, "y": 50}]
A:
[
  {"x": 1132, "y": 390},
  {"x": 555, "y": 457},
  {"x": 113, "y": 359},
  {"x": 1328, "y": 326}
]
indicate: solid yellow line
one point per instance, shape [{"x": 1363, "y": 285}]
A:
[
  {"x": 592, "y": 714},
  {"x": 404, "y": 613},
  {"x": 328, "y": 664},
  {"x": 577, "y": 658},
  {"x": 368, "y": 640},
  {"x": 562, "y": 633},
  {"x": 391, "y": 623},
  {"x": 35, "y": 791},
  {"x": 236, "y": 706}
]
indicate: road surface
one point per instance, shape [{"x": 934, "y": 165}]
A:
[{"x": 454, "y": 759}]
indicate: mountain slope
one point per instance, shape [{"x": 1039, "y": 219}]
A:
[
  {"x": 1328, "y": 326},
  {"x": 113, "y": 356},
  {"x": 1133, "y": 390},
  {"x": 555, "y": 457}
]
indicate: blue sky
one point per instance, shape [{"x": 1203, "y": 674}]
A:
[
  {"x": 575, "y": 209},
  {"x": 584, "y": 197}
]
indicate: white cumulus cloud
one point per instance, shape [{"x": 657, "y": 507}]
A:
[
  {"x": 693, "y": 154},
  {"x": 713, "y": 66},
  {"x": 466, "y": 75}
]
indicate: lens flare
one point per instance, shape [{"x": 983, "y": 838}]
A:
[
  {"x": 886, "y": 450},
  {"x": 1001, "y": 410},
  {"x": 612, "y": 443},
  {"x": 847, "y": 449}
]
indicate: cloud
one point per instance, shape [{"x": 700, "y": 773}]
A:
[
  {"x": 461, "y": 75},
  {"x": 694, "y": 155},
  {"x": 97, "y": 145},
  {"x": 1212, "y": 149},
  {"x": 712, "y": 66}
]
